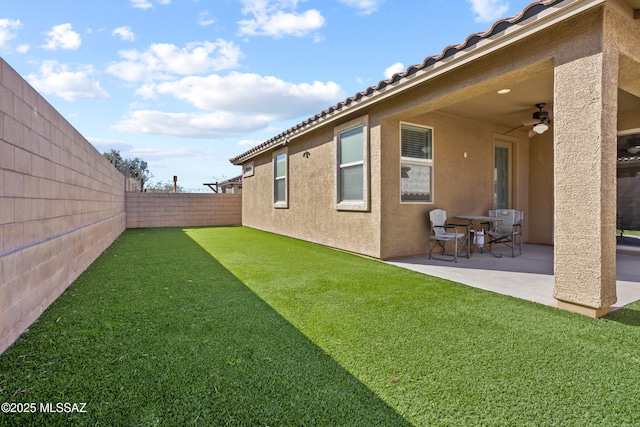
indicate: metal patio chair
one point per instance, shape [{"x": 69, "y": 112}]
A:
[
  {"x": 441, "y": 232},
  {"x": 507, "y": 229}
]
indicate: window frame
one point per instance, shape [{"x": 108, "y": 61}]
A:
[
  {"x": 353, "y": 205},
  {"x": 282, "y": 204},
  {"x": 247, "y": 169},
  {"x": 510, "y": 144},
  {"x": 418, "y": 162}
]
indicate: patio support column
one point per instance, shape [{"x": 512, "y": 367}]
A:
[{"x": 585, "y": 128}]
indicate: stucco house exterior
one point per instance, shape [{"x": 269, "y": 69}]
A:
[{"x": 455, "y": 132}]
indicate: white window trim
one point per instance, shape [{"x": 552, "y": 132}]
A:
[
  {"x": 510, "y": 143},
  {"x": 282, "y": 204},
  {"x": 248, "y": 166},
  {"x": 353, "y": 205},
  {"x": 418, "y": 162}
]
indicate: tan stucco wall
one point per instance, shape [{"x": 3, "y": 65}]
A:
[
  {"x": 586, "y": 96},
  {"x": 182, "y": 209},
  {"x": 585, "y": 184},
  {"x": 533, "y": 191},
  {"x": 629, "y": 121},
  {"x": 462, "y": 185},
  {"x": 61, "y": 204},
  {"x": 540, "y": 212},
  {"x": 311, "y": 213}
]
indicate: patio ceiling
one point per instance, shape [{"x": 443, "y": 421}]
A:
[{"x": 516, "y": 107}]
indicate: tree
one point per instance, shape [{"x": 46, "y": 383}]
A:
[
  {"x": 163, "y": 187},
  {"x": 135, "y": 169}
]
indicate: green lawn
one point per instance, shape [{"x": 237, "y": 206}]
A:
[{"x": 233, "y": 326}]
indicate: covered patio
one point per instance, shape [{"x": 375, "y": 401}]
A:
[
  {"x": 527, "y": 115},
  {"x": 528, "y": 276}
]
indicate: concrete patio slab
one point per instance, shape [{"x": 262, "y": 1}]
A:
[{"x": 529, "y": 276}]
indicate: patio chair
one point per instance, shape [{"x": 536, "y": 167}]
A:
[
  {"x": 441, "y": 232},
  {"x": 506, "y": 230}
]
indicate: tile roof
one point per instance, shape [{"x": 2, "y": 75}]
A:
[
  {"x": 530, "y": 10},
  {"x": 234, "y": 180}
]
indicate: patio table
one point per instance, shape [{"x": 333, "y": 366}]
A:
[{"x": 478, "y": 232}]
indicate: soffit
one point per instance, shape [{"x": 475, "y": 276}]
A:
[
  {"x": 516, "y": 108},
  {"x": 509, "y": 110}
]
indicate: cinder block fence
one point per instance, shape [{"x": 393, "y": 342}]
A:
[
  {"x": 62, "y": 204},
  {"x": 182, "y": 209}
]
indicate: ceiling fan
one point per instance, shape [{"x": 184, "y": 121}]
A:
[
  {"x": 631, "y": 146},
  {"x": 539, "y": 122}
]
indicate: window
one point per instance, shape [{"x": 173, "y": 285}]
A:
[
  {"x": 247, "y": 170},
  {"x": 501, "y": 178},
  {"x": 416, "y": 164},
  {"x": 280, "y": 180},
  {"x": 502, "y": 173},
  {"x": 352, "y": 186}
]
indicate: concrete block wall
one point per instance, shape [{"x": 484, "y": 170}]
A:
[
  {"x": 61, "y": 204},
  {"x": 182, "y": 209}
]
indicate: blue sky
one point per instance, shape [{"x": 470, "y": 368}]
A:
[{"x": 187, "y": 84}]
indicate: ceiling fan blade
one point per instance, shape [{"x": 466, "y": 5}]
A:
[{"x": 511, "y": 130}]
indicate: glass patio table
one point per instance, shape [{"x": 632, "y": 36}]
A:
[{"x": 475, "y": 226}]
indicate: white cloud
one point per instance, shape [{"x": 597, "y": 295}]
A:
[
  {"x": 364, "y": 7},
  {"x": 23, "y": 48},
  {"x": 141, "y": 4},
  {"x": 156, "y": 154},
  {"x": 62, "y": 37},
  {"x": 191, "y": 125},
  {"x": 146, "y": 4},
  {"x": 125, "y": 33},
  {"x": 204, "y": 19},
  {"x": 161, "y": 153},
  {"x": 398, "y": 67},
  {"x": 488, "y": 10},
  {"x": 249, "y": 143},
  {"x": 6, "y": 30},
  {"x": 278, "y": 18},
  {"x": 248, "y": 94},
  {"x": 57, "y": 79},
  {"x": 237, "y": 104},
  {"x": 161, "y": 60}
]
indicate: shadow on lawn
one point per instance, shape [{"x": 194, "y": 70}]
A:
[
  {"x": 157, "y": 331},
  {"x": 629, "y": 315},
  {"x": 286, "y": 379}
]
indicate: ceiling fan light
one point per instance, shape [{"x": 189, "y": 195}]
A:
[
  {"x": 634, "y": 150},
  {"x": 540, "y": 128}
]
